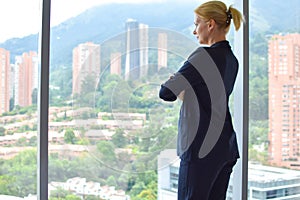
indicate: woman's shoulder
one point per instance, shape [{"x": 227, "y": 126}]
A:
[{"x": 200, "y": 51}]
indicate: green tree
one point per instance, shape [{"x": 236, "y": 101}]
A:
[
  {"x": 11, "y": 104},
  {"x": 21, "y": 141},
  {"x": 2, "y": 131},
  {"x": 69, "y": 136},
  {"x": 87, "y": 91},
  {"x": 119, "y": 138},
  {"x": 123, "y": 181},
  {"x": 258, "y": 156},
  {"x": 147, "y": 194},
  {"x": 72, "y": 197},
  {"x": 18, "y": 175},
  {"x": 137, "y": 188},
  {"x": 111, "y": 181},
  {"x": 33, "y": 141},
  {"x": 59, "y": 193},
  {"x": 114, "y": 94},
  {"x": 107, "y": 151},
  {"x": 7, "y": 185},
  {"x": 92, "y": 197},
  {"x": 34, "y": 96}
]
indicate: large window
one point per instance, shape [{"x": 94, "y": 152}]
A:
[
  {"x": 274, "y": 100},
  {"x": 108, "y": 135}
]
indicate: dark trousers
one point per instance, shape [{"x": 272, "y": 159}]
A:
[{"x": 197, "y": 182}]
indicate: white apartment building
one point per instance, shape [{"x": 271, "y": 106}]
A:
[{"x": 264, "y": 182}]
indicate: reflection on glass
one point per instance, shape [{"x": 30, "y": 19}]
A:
[
  {"x": 107, "y": 125},
  {"x": 274, "y": 102},
  {"x": 109, "y": 134}
]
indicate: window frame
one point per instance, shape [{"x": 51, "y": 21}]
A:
[
  {"x": 43, "y": 100},
  {"x": 241, "y": 104}
]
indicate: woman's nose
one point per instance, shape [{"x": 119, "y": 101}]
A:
[{"x": 194, "y": 32}]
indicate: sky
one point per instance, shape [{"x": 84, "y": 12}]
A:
[{"x": 19, "y": 18}]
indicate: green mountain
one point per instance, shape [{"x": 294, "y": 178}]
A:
[{"x": 103, "y": 22}]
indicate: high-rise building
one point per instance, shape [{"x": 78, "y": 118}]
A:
[
  {"x": 284, "y": 100},
  {"x": 136, "y": 60},
  {"x": 115, "y": 63},
  {"x": 26, "y": 78},
  {"x": 4, "y": 80},
  {"x": 144, "y": 45},
  {"x": 162, "y": 52},
  {"x": 86, "y": 64}
]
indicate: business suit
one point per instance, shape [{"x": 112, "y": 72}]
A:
[{"x": 206, "y": 143}]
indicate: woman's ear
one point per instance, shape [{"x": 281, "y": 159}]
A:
[{"x": 211, "y": 24}]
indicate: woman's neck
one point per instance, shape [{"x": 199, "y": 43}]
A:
[
  {"x": 215, "y": 40},
  {"x": 216, "y": 36}
]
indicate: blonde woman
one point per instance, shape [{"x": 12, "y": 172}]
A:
[{"x": 207, "y": 144}]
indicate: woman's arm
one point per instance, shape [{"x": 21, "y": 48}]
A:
[{"x": 176, "y": 85}]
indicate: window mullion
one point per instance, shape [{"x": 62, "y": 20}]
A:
[{"x": 43, "y": 101}]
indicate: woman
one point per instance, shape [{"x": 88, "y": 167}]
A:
[{"x": 207, "y": 143}]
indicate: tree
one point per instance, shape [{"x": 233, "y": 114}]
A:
[
  {"x": 72, "y": 197},
  {"x": 91, "y": 197},
  {"x": 114, "y": 94},
  {"x": 21, "y": 174},
  {"x": 34, "y": 96},
  {"x": 119, "y": 139},
  {"x": 69, "y": 136},
  {"x": 11, "y": 104},
  {"x": 147, "y": 194},
  {"x": 59, "y": 193},
  {"x": 33, "y": 141},
  {"x": 107, "y": 151},
  {"x": 137, "y": 188},
  {"x": 21, "y": 142},
  {"x": 2, "y": 131},
  {"x": 111, "y": 181}
]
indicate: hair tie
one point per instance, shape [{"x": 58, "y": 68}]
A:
[{"x": 229, "y": 16}]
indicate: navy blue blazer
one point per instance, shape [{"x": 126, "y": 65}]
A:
[{"x": 205, "y": 129}]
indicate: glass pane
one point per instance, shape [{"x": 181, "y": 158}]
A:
[
  {"x": 110, "y": 136},
  {"x": 274, "y": 127},
  {"x": 18, "y": 93}
]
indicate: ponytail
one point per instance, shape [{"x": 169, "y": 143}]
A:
[{"x": 236, "y": 17}]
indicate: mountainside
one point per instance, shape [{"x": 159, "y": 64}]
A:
[
  {"x": 281, "y": 15},
  {"x": 105, "y": 21}
]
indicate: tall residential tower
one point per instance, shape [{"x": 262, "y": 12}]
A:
[
  {"x": 136, "y": 60},
  {"x": 284, "y": 100},
  {"x": 4, "y": 80},
  {"x": 86, "y": 65},
  {"x": 26, "y": 78}
]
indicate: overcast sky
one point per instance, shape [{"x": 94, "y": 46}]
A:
[{"x": 21, "y": 17}]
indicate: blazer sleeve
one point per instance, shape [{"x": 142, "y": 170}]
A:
[{"x": 186, "y": 77}]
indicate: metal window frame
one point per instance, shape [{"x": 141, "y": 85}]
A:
[
  {"x": 241, "y": 103},
  {"x": 43, "y": 101}
]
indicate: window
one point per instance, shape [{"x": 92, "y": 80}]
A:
[
  {"x": 272, "y": 96},
  {"x": 103, "y": 123}
]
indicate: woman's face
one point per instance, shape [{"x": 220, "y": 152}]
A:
[{"x": 201, "y": 30}]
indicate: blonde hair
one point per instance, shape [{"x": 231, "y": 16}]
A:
[{"x": 218, "y": 11}]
